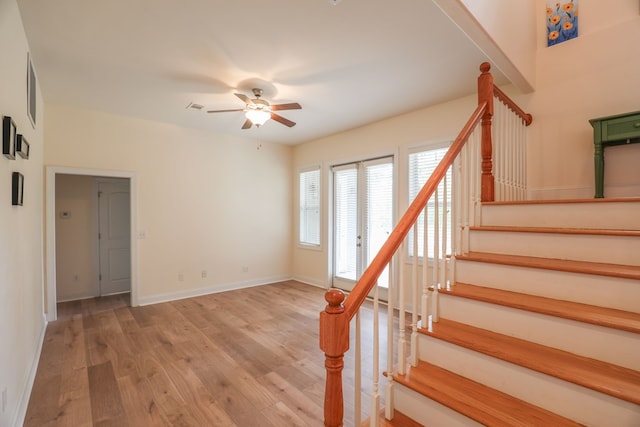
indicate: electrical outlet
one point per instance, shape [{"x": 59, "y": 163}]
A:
[
  {"x": 181, "y": 277},
  {"x": 245, "y": 269},
  {"x": 204, "y": 274}
]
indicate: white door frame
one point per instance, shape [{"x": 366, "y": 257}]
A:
[
  {"x": 50, "y": 223},
  {"x": 344, "y": 283}
]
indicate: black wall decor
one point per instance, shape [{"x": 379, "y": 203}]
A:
[
  {"x": 31, "y": 92},
  {"x": 8, "y": 137},
  {"x": 22, "y": 146},
  {"x": 17, "y": 189}
]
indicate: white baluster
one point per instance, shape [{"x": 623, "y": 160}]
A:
[
  {"x": 414, "y": 299},
  {"x": 375, "y": 395},
  {"x": 388, "y": 409},
  {"x": 424, "y": 315},
  {"x": 402, "y": 344},
  {"x": 357, "y": 400}
]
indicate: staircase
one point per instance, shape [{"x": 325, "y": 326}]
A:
[{"x": 542, "y": 324}]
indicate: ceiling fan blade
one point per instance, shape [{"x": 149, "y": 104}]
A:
[
  {"x": 244, "y": 98},
  {"x": 247, "y": 124},
  {"x": 224, "y": 111},
  {"x": 282, "y": 120},
  {"x": 291, "y": 106}
]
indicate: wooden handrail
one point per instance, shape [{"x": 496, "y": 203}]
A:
[
  {"x": 526, "y": 117},
  {"x": 485, "y": 94},
  {"x": 335, "y": 318},
  {"x": 397, "y": 236}
]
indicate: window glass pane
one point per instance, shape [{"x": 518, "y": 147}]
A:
[
  {"x": 310, "y": 207},
  {"x": 379, "y": 211},
  {"x": 346, "y": 223},
  {"x": 421, "y": 166}
]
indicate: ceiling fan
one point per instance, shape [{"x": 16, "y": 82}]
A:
[{"x": 258, "y": 111}]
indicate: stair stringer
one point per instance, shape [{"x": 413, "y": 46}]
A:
[
  {"x": 602, "y": 214},
  {"x": 579, "y": 245},
  {"x": 597, "y": 342},
  {"x": 428, "y": 412},
  {"x": 604, "y": 291},
  {"x": 617, "y": 347},
  {"x": 577, "y": 403}
]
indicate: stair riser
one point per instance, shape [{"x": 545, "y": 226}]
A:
[
  {"x": 606, "y": 344},
  {"x": 566, "y": 399},
  {"x": 428, "y": 412},
  {"x": 605, "y": 216},
  {"x": 579, "y": 247},
  {"x": 604, "y": 291}
]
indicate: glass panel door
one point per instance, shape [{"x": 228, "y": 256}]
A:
[{"x": 363, "y": 217}]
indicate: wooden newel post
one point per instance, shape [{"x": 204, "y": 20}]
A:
[
  {"x": 485, "y": 94},
  {"x": 334, "y": 342}
]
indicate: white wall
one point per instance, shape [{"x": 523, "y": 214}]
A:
[
  {"x": 76, "y": 252},
  {"x": 21, "y": 306},
  {"x": 206, "y": 203}
]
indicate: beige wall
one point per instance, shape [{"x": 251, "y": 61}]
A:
[
  {"x": 205, "y": 203},
  {"x": 393, "y": 136},
  {"x": 21, "y": 306},
  {"x": 591, "y": 76},
  {"x": 597, "y": 74},
  {"x": 512, "y": 26},
  {"x": 76, "y": 252}
]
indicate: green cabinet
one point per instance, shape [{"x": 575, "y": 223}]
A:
[{"x": 612, "y": 130}]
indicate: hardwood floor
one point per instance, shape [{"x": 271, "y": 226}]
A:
[{"x": 242, "y": 358}]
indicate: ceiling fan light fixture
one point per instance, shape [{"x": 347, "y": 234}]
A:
[{"x": 257, "y": 116}]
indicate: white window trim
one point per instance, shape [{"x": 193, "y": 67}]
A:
[
  {"x": 417, "y": 148},
  {"x": 306, "y": 245}
]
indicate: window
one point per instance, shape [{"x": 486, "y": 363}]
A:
[
  {"x": 421, "y": 166},
  {"x": 310, "y": 207}
]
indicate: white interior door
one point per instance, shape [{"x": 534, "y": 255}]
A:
[
  {"x": 114, "y": 236},
  {"x": 362, "y": 218}
]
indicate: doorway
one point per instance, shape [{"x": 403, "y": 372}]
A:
[
  {"x": 114, "y": 236},
  {"x": 92, "y": 237},
  {"x": 362, "y": 217},
  {"x": 126, "y": 264}
]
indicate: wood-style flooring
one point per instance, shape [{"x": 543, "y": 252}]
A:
[{"x": 241, "y": 358}]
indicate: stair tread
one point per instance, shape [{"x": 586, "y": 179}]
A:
[
  {"x": 622, "y": 383},
  {"x": 557, "y": 230},
  {"x": 399, "y": 420},
  {"x": 565, "y": 201},
  {"x": 585, "y": 267},
  {"x": 601, "y": 316},
  {"x": 474, "y": 400}
]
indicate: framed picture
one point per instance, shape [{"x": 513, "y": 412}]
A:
[
  {"x": 31, "y": 92},
  {"x": 17, "y": 189},
  {"x": 562, "y": 21},
  {"x": 22, "y": 146},
  {"x": 8, "y": 137}
]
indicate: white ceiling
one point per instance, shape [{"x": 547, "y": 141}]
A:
[{"x": 347, "y": 64}]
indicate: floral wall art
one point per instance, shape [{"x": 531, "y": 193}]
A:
[{"x": 562, "y": 21}]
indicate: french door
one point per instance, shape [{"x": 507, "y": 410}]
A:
[{"x": 362, "y": 217}]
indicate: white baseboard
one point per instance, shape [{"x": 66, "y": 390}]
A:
[
  {"x": 312, "y": 282},
  {"x": 23, "y": 404},
  {"x": 172, "y": 296},
  {"x": 560, "y": 193}
]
